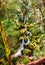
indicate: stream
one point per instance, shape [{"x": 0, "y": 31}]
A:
[
  {"x": 18, "y": 53},
  {"x": 28, "y": 33}
]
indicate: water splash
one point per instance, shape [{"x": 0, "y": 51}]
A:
[
  {"x": 28, "y": 33},
  {"x": 18, "y": 53},
  {"x": 23, "y": 41},
  {"x": 25, "y": 18}
]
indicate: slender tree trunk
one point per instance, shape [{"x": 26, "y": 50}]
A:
[{"x": 5, "y": 43}]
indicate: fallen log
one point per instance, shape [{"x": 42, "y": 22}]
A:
[{"x": 38, "y": 62}]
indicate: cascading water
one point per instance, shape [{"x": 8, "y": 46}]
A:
[
  {"x": 27, "y": 33},
  {"x": 23, "y": 41},
  {"x": 18, "y": 53},
  {"x": 22, "y": 45}
]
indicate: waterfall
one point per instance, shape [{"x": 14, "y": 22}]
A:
[
  {"x": 18, "y": 53},
  {"x": 23, "y": 43}
]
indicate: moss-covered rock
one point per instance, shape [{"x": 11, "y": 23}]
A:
[
  {"x": 27, "y": 52},
  {"x": 32, "y": 45},
  {"x": 37, "y": 47}
]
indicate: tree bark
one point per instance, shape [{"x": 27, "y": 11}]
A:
[{"x": 38, "y": 62}]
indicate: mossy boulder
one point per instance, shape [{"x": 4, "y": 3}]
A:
[
  {"x": 32, "y": 45},
  {"x": 27, "y": 52},
  {"x": 37, "y": 47}
]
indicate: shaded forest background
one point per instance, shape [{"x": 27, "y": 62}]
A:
[{"x": 12, "y": 13}]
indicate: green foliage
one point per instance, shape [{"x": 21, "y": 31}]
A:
[
  {"x": 25, "y": 61},
  {"x": 32, "y": 45},
  {"x": 2, "y": 50},
  {"x": 15, "y": 10},
  {"x": 1, "y": 46}
]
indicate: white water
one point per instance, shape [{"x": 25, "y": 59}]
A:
[
  {"x": 28, "y": 33},
  {"x": 18, "y": 53}
]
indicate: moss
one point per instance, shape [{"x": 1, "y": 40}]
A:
[
  {"x": 37, "y": 31},
  {"x": 22, "y": 31},
  {"x": 37, "y": 47},
  {"x": 27, "y": 52},
  {"x": 17, "y": 46},
  {"x": 38, "y": 40},
  {"x": 32, "y": 45},
  {"x": 26, "y": 61}
]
